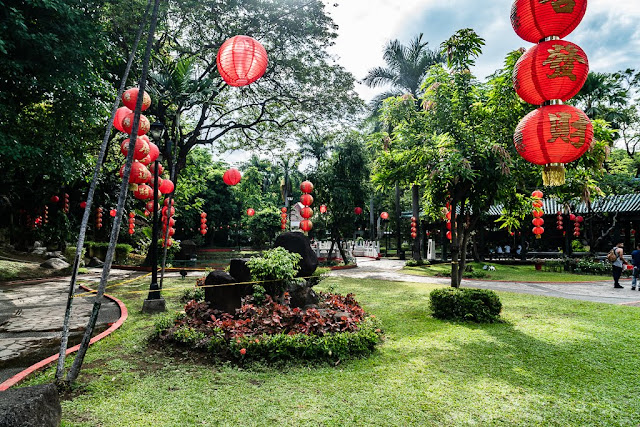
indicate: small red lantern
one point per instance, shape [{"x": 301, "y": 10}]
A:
[
  {"x": 414, "y": 235},
  {"x": 537, "y": 194},
  {"x": 202, "y": 214},
  {"x": 166, "y": 209},
  {"x": 553, "y": 135},
  {"x": 536, "y": 20},
  {"x": 579, "y": 218},
  {"x": 283, "y": 220},
  {"x": 572, "y": 217},
  {"x": 166, "y": 187},
  {"x": 283, "y": 226},
  {"x": 537, "y": 213},
  {"x": 143, "y": 126},
  {"x": 283, "y": 210},
  {"x": 555, "y": 69},
  {"x": 112, "y": 212},
  {"x": 232, "y": 176},
  {"x": 149, "y": 205},
  {"x": 166, "y": 203},
  {"x": 306, "y": 212},
  {"x": 130, "y": 98},
  {"x": 241, "y": 60},
  {"x": 120, "y": 114},
  {"x": 413, "y": 219},
  {"x": 448, "y": 225},
  {"x": 538, "y": 231},
  {"x": 83, "y": 205},
  {"x": 306, "y": 187},
  {"x": 323, "y": 208},
  {"x": 144, "y": 192},
  {"x": 537, "y": 204},
  {"x": 306, "y": 199},
  {"x": 251, "y": 212},
  {"x": 537, "y": 222},
  {"x": 448, "y": 215},
  {"x": 283, "y": 216},
  {"x": 384, "y": 215},
  {"x": 414, "y": 230},
  {"x": 449, "y": 235},
  {"x": 357, "y": 210},
  {"x": 55, "y": 199},
  {"x": 306, "y": 225}
]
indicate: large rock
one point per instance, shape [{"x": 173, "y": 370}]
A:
[
  {"x": 302, "y": 296},
  {"x": 95, "y": 262},
  {"x": 36, "y": 406},
  {"x": 188, "y": 248},
  {"x": 299, "y": 243},
  {"x": 55, "y": 264},
  {"x": 239, "y": 269},
  {"x": 225, "y": 298},
  {"x": 54, "y": 254}
]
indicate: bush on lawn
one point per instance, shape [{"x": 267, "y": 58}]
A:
[{"x": 476, "y": 305}]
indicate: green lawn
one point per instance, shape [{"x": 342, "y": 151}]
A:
[
  {"x": 523, "y": 273},
  {"x": 12, "y": 270},
  {"x": 553, "y": 362}
]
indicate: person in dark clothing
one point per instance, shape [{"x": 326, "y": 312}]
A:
[
  {"x": 616, "y": 266},
  {"x": 635, "y": 260}
]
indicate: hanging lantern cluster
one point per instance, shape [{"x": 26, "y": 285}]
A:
[
  {"x": 306, "y": 199},
  {"x": 283, "y": 218},
  {"x": 559, "y": 222},
  {"x": 384, "y": 215},
  {"x": 65, "y": 205},
  {"x": 548, "y": 74},
  {"x": 537, "y": 213},
  {"x": 203, "y": 223},
  {"x": 576, "y": 225},
  {"x": 414, "y": 227},
  {"x": 46, "y": 214},
  {"x": 132, "y": 222},
  {"x": 447, "y": 216},
  {"x": 167, "y": 223},
  {"x": 241, "y": 60},
  {"x": 99, "y": 218},
  {"x": 231, "y": 176}
]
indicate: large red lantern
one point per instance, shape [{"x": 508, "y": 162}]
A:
[
  {"x": 357, "y": 210},
  {"x": 144, "y": 192},
  {"x": 306, "y": 187},
  {"x": 251, "y": 212},
  {"x": 538, "y": 231},
  {"x": 232, "y": 176},
  {"x": 534, "y": 20},
  {"x": 154, "y": 152},
  {"x": 241, "y": 60},
  {"x": 384, "y": 215},
  {"x": 553, "y": 135},
  {"x": 140, "y": 151},
  {"x": 306, "y": 199},
  {"x": 537, "y": 222},
  {"x": 121, "y": 113},
  {"x": 143, "y": 126},
  {"x": 306, "y": 212},
  {"x": 152, "y": 167},
  {"x": 537, "y": 194},
  {"x": 130, "y": 98},
  {"x": 139, "y": 173},
  {"x": 166, "y": 187},
  {"x": 306, "y": 225},
  {"x": 555, "y": 69}
]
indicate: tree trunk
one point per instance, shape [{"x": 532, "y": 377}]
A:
[
  {"x": 415, "y": 205},
  {"x": 341, "y": 249},
  {"x": 398, "y": 214},
  {"x": 455, "y": 247}
]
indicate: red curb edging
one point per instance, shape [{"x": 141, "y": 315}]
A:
[
  {"x": 343, "y": 267},
  {"x": 19, "y": 377}
]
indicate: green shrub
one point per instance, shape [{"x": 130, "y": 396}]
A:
[
  {"x": 474, "y": 274},
  {"x": 99, "y": 250},
  {"x": 70, "y": 254},
  {"x": 416, "y": 263},
  {"x": 476, "y": 305},
  {"x": 196, "y": 294},
  {"x": 274, "y": 264}
]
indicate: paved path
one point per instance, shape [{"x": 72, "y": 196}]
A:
[
  {"x": 31, "y": 317},
  {"x": 596, "y": 291}
]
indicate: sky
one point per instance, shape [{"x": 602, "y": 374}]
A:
[{"x": 609, "y": 32}]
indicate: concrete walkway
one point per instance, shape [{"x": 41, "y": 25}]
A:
[
  {"x": 596, "y": 291},
  {"x": 31, "y": 317}
]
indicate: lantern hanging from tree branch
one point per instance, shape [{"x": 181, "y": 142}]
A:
[
  {"x": 130, "y": 98},
  {"x": 241, "y": 60},
  {"x": 232, "y": 176}
]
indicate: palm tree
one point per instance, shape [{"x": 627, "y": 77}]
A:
[
  {"x": 406, "y": 69},
  {"x": 315, "y": 146}
]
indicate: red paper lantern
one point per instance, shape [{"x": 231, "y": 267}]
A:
[
  {"x": 306, "y": 212},
  {"x": 154, "y": 152},
  {"x": 139, "y": 173},
  {"x": 414, "y": 230},
  {"x": 283, "y": 226},
  {"x": 448, "y": 225},
  {"x": 555, "y": 69},
  {"x": 537, "y": 213},
  {"x": 580, "y": 219},
  {"x": 113, "y": 212},
  {"x": 283, "y": 221},
  {"x": 413, "y": 219},
  {"x": 132, "y": 215},
  {"x": 537, "y": 204},
  {"x": 449, "y": 235},
  {"x": 537, "y": 194},
  {"x": 448, "y": 215},
  {"x": 306, "y": 225},
  {"x": 120, "y": 114},
  {"x": 83, "y": 205},
  {"x": 152, "y": 166},
  {"x": 55, "y": 199},
  {"x": 283, "y": 216},
  {"x": 283, "y": 210},
  {"x": 414, "y": 235},
  {"x": 251, "y": 212},
  {"x": 144, "y": 192},
  {"x": 143, "y": 126},
  {"x": 202, "y": 214},
  {"x": 538, "y": 231},
  {"x": 383, "y": 215},
  {"x": 306, "y": 199},
  {"x": 149, "y": 206},
  {"x": 232, "y": 176},
  {"x": 553, "y": 135},
  {"x": 323, "y": 208},
  {"x": 241, "y": 60},
  {"x": 132, "y": 230},
  {"x": 537, "y": 222},
  {"x": 166, "y": 203},
  {"x": 572, "y": 217},
  {"x": 166, "y": 187},
  {"x": 536, "y": 20},
  {"x": 203, "y": 231},
  {"x": 357, "y": 210},
  {"x": 130, "y": 98},
  {"x": 306, "y": 187},
  {"x": 166, "y": 209},
  {"x": 140, "y": 151}
]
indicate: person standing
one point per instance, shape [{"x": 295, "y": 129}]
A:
[
  {"x": 616, "y": 266},
  {"x": 635, "y": 260}
]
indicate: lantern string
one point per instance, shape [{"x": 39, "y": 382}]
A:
[{"x": 89, "y": 201}]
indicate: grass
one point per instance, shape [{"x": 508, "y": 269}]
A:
[
  {"x": 553, "y": 362},
  {"x": 518, "y": 273},
  {"x": 13, "y": 270}
]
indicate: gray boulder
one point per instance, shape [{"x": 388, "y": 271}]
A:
[
  {"x": 222, "y": 293},
  {"x": 299, "y": 243},
  {"x": 302, "y": 296},
  {"x": 53, "y": 254},
  {"x": 239, "y": 270},
  {"x": 55, "y": 264},
  {"x": 36, "y": 406},
  {"x": 95, "y": 262}
]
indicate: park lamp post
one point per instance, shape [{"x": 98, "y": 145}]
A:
[{"x": 154, "y": 302}]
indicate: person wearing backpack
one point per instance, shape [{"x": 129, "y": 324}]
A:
[
  {"x": 635, "y": 260},
  {"x": 616, "y": 266}
]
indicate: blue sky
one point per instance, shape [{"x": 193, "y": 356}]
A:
[{"x": 609, "y": 33}]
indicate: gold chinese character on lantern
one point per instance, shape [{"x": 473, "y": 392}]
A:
[
  {"x": 561, "y": 6},
  {"x": 561, "y": 60},
  {"x": 561, "y": 128}
]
